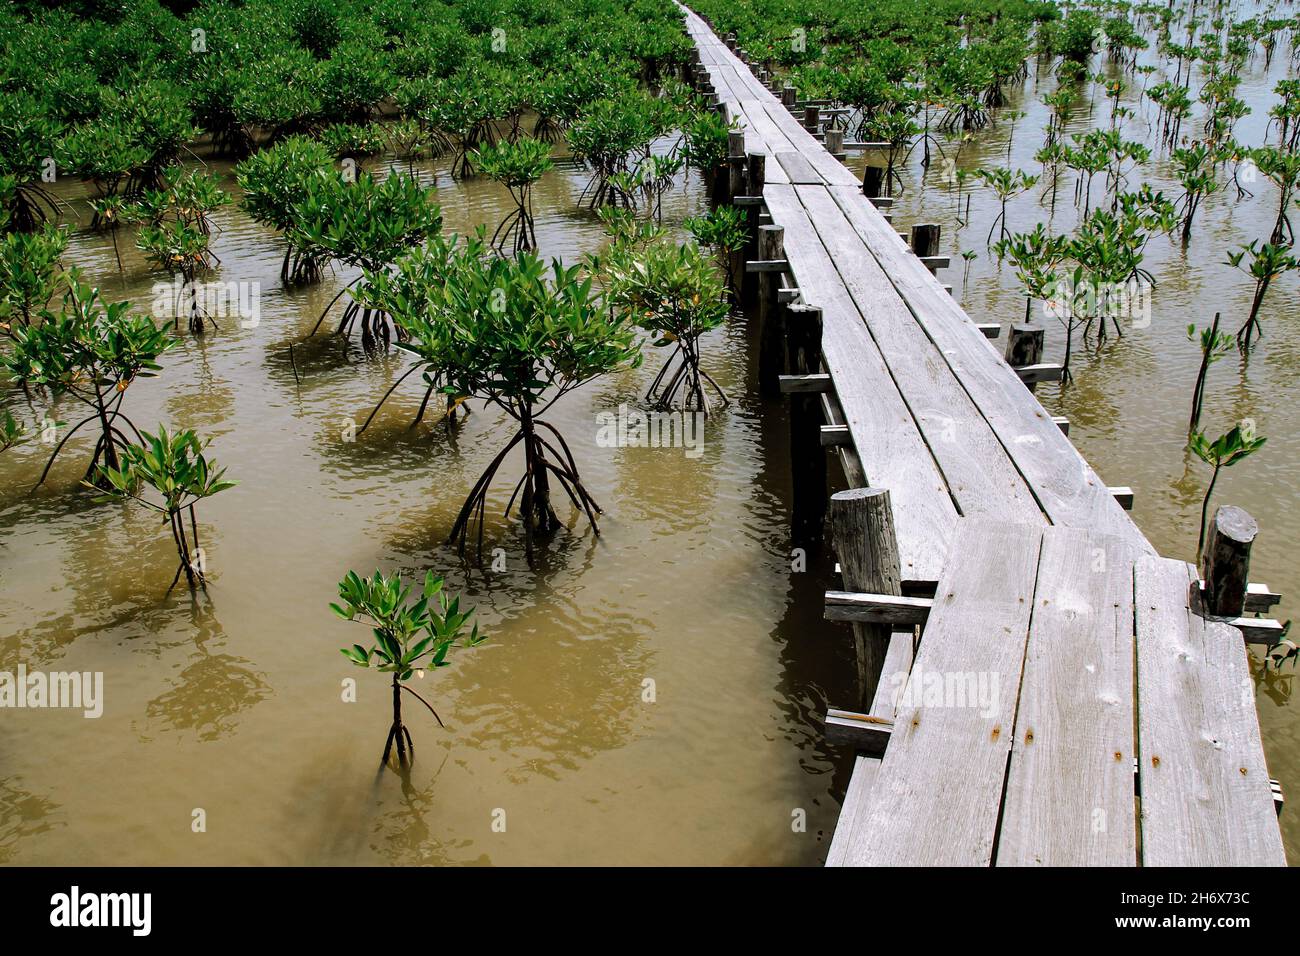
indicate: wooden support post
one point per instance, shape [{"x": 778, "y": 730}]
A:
[
  {"x": 731, "y": 42},
  {"x": 1225, "y": 566},
  {"x": 925, "y": 239},
  {"x": 803, "y": 344},
  {"x": 862, "y": 522},
  {"x": 812, "y": 118},
  {"x": 788, "y": 94},
  {"x": 756, "y": 173},
  {"x": 1025, "y": 346},
  {"x": 771, "y": 331},
  {"x": 834, "y": 142},
  {"x": 873, "y": 181}
]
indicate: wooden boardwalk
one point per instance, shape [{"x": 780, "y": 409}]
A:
[{"x": 1085, "y": 678}]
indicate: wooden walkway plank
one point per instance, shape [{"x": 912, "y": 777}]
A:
[
  {"x": 947, "y": 758},
  {"x": 1206, "y": 799},
  {"x": 1069, "y": 797},
  {"x": 974, "y": 464},
  {"x": 1067, "y": 488},
  {"x": 893, "y": 453},
  {"x": 832, "y": 171}
]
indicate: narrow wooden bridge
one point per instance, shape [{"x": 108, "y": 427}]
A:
[{"x": 1040, "y": 688}]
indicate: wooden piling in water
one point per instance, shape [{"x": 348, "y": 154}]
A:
[
  {"x": 873, "y": 181},
  {"x": 812, "y": 118},
  {"x": 834, "y": 143},
  {"x": 788, "y": 95},
  {"x": 771, "y": 331},
  {"x": 925, "y": 239},
  {"x": 803, "y": 344},
  {"x": 1225, "y": 565},
  {"x": 862, "y": 525},
  {"x": 1025, "y": 346}
]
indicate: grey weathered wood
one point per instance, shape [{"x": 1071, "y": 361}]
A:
[
  {"x": 798, "y": 169},
  {"x": 1258, "y": 630},
  {"x": 939, "y": 791},
  {"x": 971, "y": 460},
  {"x": 873, "y": 181},
  {"x": 990, "y": 330},
  {"x": 1122, "y": 494},
  {"x": 1025, "y": 348},
  {"x": 892, "y": 609},
  {"x": 771, "y": 313},
  {"x": 862, "y": 524},
  {"x": 834, "y": 142},
  {"x": 865, "y": 733},
  {"x": 1069, "y": 796},
  {"x": 1041, "y": 372},
  {"x": 1062, "y": 423},
  {"x": 1068, "y": 490},
  {"x": 1225, "y": 565},
  {"x": 1206, "y": 799},
  {"x": 884, "y": 432},
  {"x": 857, "y": 794},
  {"x": 803, "y": 359},
  {"x": 814, "y": 382},
  {"x": 767, "y": 265},
  {"x": 836, "y": 435},
  {"x": 925, "y": 239}
]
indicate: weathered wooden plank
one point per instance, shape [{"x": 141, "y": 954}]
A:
[
  {"x": 973, "y": 462},
  {"x": 859, "y": 789},
  {"x": 1206, "y": 799},
  {"x": 947, "y": 756},
  {"x": 798, "y": 169},
  {"x": 1067, "y": 488},
  {"x": 1069, "y": 795},
  {"x": 831, "y": 169},
  {"x": 885, "y": 435}
]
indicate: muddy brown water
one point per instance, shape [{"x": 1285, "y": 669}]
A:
[{"x": 646, "y": 696}]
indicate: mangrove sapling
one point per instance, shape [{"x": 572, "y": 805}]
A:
[
  {"x": 409, "y": 637},
  {"x": 505, "y": 331},
  {"x": 1036, "y": 256},
  {"x": 724, "y": 231},
  {"x": 29, "y": 274},
  {"x": 27, "y": 139},
  {"x": 1005, "y": 184},
  {"x": 185, "y": 251},
  {"x": 12, "y": 432},
  {"x": 1225, "y": 451},
  {"x": 1194, "y": 167},
  {"x": 91, "y": 351},
  {"x": 272, "y": 181},
  {"x": 1282, "y": 168},
  {"x": 607, "y": 136},
  {"x": 518, "y": 166},
  {"x": 656, "y": 174},
  {"x": 368, "y": 225},
  {"x": 1267, "y": 262},
  {"x": 674, "y": 293},
  {"x": 1214, "y": 344},
  {"x": 174, "y": 466}
]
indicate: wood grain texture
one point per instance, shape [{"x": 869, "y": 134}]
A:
[
  {"x": 1067, "y": 488},
  {"x": 974, "y": 463},
  {"x": 892, "y": 452},
  {"x": 1206, "y": 798},
  {"x": 936, "y": 799},
  {"x": 1069, "y": 796}
]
